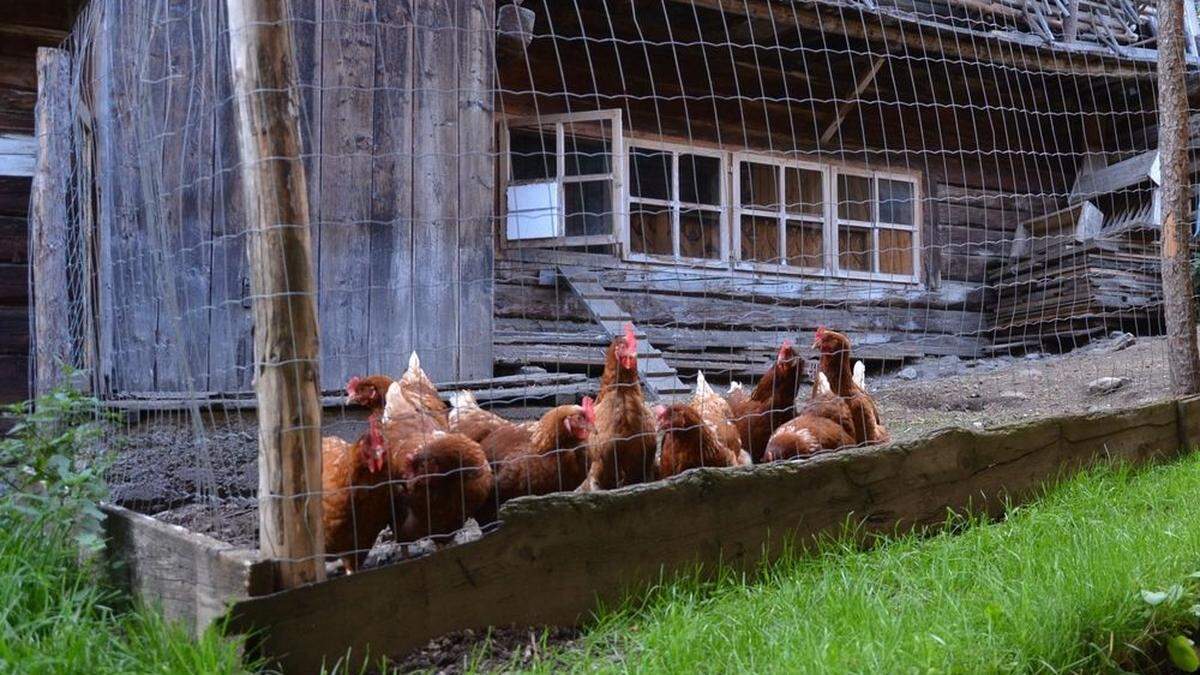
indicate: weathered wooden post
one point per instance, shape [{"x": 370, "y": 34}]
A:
[
  {"x": 48, "y": 219},
  {"x": 1179, "y": 304},
  {"x": 286, "y": 349}
]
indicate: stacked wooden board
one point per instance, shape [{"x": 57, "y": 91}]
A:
[{"x": 1067, "y": 292}]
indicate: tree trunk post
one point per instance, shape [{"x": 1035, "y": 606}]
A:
[
  {"x": 48, "y": 220},
  {"x": 1178, "y": 301},
  {"x": 278, "y": 249}
]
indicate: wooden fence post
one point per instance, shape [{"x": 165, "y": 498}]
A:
[
  {"x": 1178, "y": 301},
  {"x": 286, "y": 350},
  {"x": 48, "y": 219}
]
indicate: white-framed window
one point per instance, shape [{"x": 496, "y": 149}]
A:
[
  {"x": 876, "y": 219},
  {"x": 563, "y": 178},
  {"x": 780, "y": 213},
  {"x": 676, "y": 202}
]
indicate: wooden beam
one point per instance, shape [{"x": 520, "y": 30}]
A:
[
  {"x": 286, "y": 352},
  {"x": 1179, "y": 308},
  {"x": 48, "y": 219},
  {"x": 852, "y": 100},
  {"x": 18, "y": 154},
  {"x": 1136, "y": 169},
  {"x": 1071, "y": 26},
  {"x": 894, "y": 28},
  {"x": 189, "y": 577}
]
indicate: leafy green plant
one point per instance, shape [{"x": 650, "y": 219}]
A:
[{"x": 52, "y": 466}]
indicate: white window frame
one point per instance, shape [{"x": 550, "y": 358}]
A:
[
  {"x": 780, "y": 214},
  {"x": 617, "y": 176},
  {"x": 835, "y": 221},
  {"x": 675, "y": 205}
]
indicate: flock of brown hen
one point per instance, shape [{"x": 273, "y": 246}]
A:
[{"x": 424, "y": 468}]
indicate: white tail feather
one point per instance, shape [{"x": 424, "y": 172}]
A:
[
  {"x": 702, "y": 387},
  {"x": 414, "y": 361},
  {"x": 463, "y": 399},
  {"x": 860, "y": 375},
  {"x": 393, "y": 402},
  {"x": 823, "y": 387},
  {"x": 735, "y": 386}
]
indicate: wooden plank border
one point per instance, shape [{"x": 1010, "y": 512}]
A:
[
  {"x": 557, "y": 556},
  {"x": 189, "y": 576}
]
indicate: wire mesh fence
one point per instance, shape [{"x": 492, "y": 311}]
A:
[{"x": 622, "y": 238}]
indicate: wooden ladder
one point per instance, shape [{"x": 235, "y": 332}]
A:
[{"x": 658, "y": 377}]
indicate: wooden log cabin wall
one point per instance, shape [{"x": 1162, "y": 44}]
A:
[
  {"x": 25, "y": 25},
  {"x": 398, "y": 123},
  {"x": 990, "y": 129}
]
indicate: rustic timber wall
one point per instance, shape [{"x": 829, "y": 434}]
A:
[
  {"x": 557, "y": 556},
  {"x": 400, "y": 201},
  {"x": 14, "y": 289}
]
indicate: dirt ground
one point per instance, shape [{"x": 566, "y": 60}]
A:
[{"x": 950, "y": 392}]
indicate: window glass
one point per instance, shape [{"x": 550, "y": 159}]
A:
[
  {"x": 805, "y": 244},
  {"x": 854, "y": 197},
  {"x": 532, "y": 154},
  {"x": 760, "y": 239},
  {"x": 700, "y": 234},
  {"x": 854, "y": 248},
  {"x": 760, "y": 185},
  {"x": 804, "y": 192},
  {"x": 587, "y": 151},
  {"x": 588, "y": 208},
  {"x": 700, "y": 180},
  {"x": 650, "y": 229},
  {"x": 895, "y": 202},
  {"x": 895, "y": 252},
  {"x": 650, "y": 174}
]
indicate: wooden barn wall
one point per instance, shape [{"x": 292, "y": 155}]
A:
[
  {"x": 14, "y": 288},
  {"x": 400, "y": 201}
]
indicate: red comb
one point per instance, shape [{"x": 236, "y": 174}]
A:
[
  {"x": 589, "y": 408},
  {"x": 820, "y": 331},
  {"x": 352, "y": 385},
  {"x": 660, "y": 411},
  {"x": 630, "y": 338}
]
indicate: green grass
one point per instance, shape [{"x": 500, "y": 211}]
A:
[
  {"x": 1056, "y": 587},
  {"x": 56, "y": 618}
]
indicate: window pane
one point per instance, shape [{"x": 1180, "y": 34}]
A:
[
  {"x": 895, "y": 252},
  {"x": 805, "y": 244},
  {"x": 588, "y": 208},
  {"x": 804, "y": 191},
  {"x": 854, "y": 248},
  {"x": 532, "y": 154},
  {"x": 760, "y": 239},
  {"x": 699, "y": 234},
  {"x": 650, "y": 229},
  {"x": 895, "y": 202},
  {"x": 854, "y": 198},
  {"x": 700, "y": 180},
  {"x": 587, "y": 153},
  {"x": 760, "y": 185},
  {"x": 649, "y": 174}
]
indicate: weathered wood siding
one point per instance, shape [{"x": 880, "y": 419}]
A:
[{"x": 397, "y": 128}]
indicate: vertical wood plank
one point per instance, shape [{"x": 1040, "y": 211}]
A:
[
  {"x": 476, "y": 179},
  {"x": 287, "y": 353},
  {"x": 185, "y": 197},
  {"x": 391, "y": 320},
  {"x": 347, "y": 83},
  {"x": 230, "y": 346},
  {"x": 48, "y": 219},
  {"x": 131, "y": 299},
  {"x": 435, "y": 188}
]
